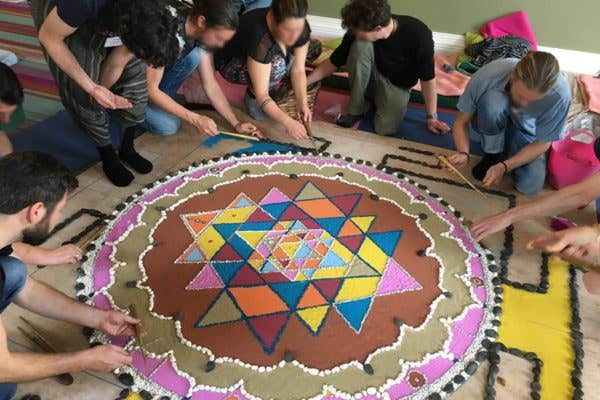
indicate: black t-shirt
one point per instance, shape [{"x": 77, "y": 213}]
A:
[
  {"x": 253, "y": 39},
  {"x": 5, "y": 252},
  {"x": 75, "y": 13},
  {"x": 404, "y": 58}
]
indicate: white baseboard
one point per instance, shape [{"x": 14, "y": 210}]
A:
[{"x": 578, "y": 62}]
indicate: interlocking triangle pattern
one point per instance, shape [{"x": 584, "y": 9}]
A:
[{"x": 282, "y": 258}]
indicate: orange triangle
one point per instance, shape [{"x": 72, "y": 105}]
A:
[
  {"x": 311, "y": 298},
  {"x": 349, "y": 229},
  {"x": 198, "y": 223}
]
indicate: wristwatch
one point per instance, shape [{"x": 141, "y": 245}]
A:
[{"x": 431, "y": 116}]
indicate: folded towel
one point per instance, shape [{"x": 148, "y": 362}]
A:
[
  {"x": 513, "y": 24},
  {"x": 448, "y": 82}
]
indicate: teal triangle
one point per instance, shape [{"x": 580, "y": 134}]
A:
[
  {"x": 226, "y": 230},
  {"x": 257, "y": 226},
  {"x": 243, "y": 203},
  {"x": 241, "y": 247},
  {"x": 332, "y": 260},
  {"x": 332, "y": 225},
  {"x": 354, "y": 312},
  {"x": 387, "y": 241},
  {"x": 194, "y": 256},
  {"x": 276, "y": 210},
  {"x": 290, "y": 292},
  {"x": 227, "y": 270}
]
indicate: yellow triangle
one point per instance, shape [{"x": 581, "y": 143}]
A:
[
  {"x": 235, "y": 215},
  {"x": 256, "y": 264},
  {"x": 373, "y": 255},
  {"x": 286, "y": 224},
  {"x": 364, "y": 223},
  {"x": 301, "y": 277},
  {"x": 290, "y": 248},
  {"x": 313, "y": 316},
  {"x": 330, "y": 273},
  {"x": 253, "y": 238},
  {"x": 357, "y": 288},
  {"x": 342, "y": 251},
  {"x": 326, "y": 235}
]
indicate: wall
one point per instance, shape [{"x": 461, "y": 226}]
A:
[{"x": 564, "y": 24}]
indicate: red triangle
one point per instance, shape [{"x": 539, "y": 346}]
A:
[
  {"x": 352, "y": 243},
  {"x": 227, "y": 253},
  {"x": 293, "y": 213},
  {"x": 246, "y": 276},
  {"x": 346, "y": 203},
  {"x": 268, "y": 328},
  {"x": 329, "y": 288},
  {"x": 274, "y": 277},
  {"x": 310, "y": 224},
  {"x": 259, "y": 216}
]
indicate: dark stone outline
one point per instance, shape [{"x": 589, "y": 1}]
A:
[{"x": 491, "y": 334}]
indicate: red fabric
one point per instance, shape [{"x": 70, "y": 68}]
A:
[
  {"x": 516, "y": 24},
  {"x": 451, "y": 83}
]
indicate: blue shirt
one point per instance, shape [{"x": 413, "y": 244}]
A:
[{"x": 543, "y": 120}]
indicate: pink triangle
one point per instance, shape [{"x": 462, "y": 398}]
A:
[
  {"x": 259, "y": 216},
  {"x": 293, "y": 213},
  {"x": 246, "y": 276},
  {"x": 268, "y": 327},
  {"x": 396, "y": 280},
  {"x": 346, "y": 203},
  {"x": 207, "y": 278},
  {"x": 275, "y": 196},
  {"x": 291, "y": 274}
]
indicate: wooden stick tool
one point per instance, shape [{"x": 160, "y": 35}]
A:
[
  {"x": 457, "y": 172},
  {"x": 240, "y": 136}
]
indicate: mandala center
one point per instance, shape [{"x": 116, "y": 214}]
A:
[{"x": 281, "y": 257}]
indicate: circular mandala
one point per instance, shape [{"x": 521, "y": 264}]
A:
[{"x": 291, "y": 276}]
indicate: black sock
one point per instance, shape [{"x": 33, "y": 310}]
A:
[
  {"x": 114, "y": 170},
  {"x": 348, "y": 120},
  {"x": 128, "y": 154},
  {"x": 488, "y": 161}
]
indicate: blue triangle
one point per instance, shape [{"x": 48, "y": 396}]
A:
[
  {"x": 257, "y": 226},
  {"x": 269, "y": 267},
  {"x": 276, "y": 210},
  {"x": 194, "y": 256},
  {"x": 309, "y": 273},
  {"x": 241, "y": 247},
  {"x": 290, "y": 292},
  {"x": 354, "y": 312},
  {"x": 226, "y": 230},
  {"x": 387, "y": 241},
  {"x": 332, "y": 260},
  {"x": 298, "y": 226},
  {"x": 303, "y": 252},
  {"x": 226, "y": 271},
  {"x": 332, "y": 225},
  {"x": 243, "y": 203}
]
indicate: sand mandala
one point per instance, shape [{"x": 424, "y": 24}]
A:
[{"x": 294, "y": 276}]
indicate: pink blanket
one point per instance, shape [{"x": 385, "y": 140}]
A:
[
  {"x": 448, "y": 83},
  {"x": 590, "y": 92},
  {"x": 513, "y": 24}
]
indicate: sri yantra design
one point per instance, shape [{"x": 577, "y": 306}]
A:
[{"x": 307, "y": 256}]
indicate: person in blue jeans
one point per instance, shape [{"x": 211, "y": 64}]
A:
[
  {"x": 244, "y": 6},
  {"x": 518, "y": 107},
  {"x": 35, "y": 188},
  {"x": 207, "y": 24}
]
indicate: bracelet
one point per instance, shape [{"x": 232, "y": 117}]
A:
[
  {"x": 264, "y": 103},
  {"x": 505, "y": 166}
]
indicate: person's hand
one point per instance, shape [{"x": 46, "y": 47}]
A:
[
  {"x": 490, "y": 225},
  {"x": 204, "y": 124},
  {"x": 108, "y": 99},
  {"x": 247, "y": 128},
  {"x": 116, "y": 323},
  {"x": 458, "y": 159},
  {"x": 306, "y": 114},
  {"x": 576, "y": 244},
  {"x": 296, "y": 130},
  {"x": 494, "y": 176},
  {"x": 437, "y": 127},
  {"x": 105, "y": 358},
  {"x": 69, "y": 254}
]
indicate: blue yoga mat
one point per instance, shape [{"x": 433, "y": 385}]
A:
[{"x": 414, "y": 129}]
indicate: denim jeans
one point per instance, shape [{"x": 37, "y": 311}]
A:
[
  {"x": 15, "y": 275},
  {"x": 158, "y": 120},
  {"x": 244, "y": 6},
  {"x": 500, "y": 135}
]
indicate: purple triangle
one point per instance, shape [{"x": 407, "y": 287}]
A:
[
  {"x": 396, "y": 280},
  {"x": 346, "y": 203},
  {"x": 207, "y": 278},
  {"x": 275, "y": 196},
  {"x": 246, "y": 276},
  {"x": 293, "y": 213},
  {"x": 353, "y": 242},
  {"x": 259, "y": 216}
]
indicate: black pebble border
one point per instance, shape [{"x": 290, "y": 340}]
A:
[
  {"x": 491, "y": 334},
  {"x": 576, "y": 335}
]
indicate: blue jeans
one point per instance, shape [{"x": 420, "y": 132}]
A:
[
  {"x": 245, "y": 6},
  {"x": 15, "y": 276},
  {"x": 158, "y": 120},
  {"x": 499, "y": 134}
]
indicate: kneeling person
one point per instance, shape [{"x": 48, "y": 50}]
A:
[
  {"x": 385, "y": 55},
  {"x": 519, "y": 108}
]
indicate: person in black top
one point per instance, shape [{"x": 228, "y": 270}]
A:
[
  {"x": 271, "y": 45},
  {"x": 11, "y": 96},
  {"x": 35, "y": 188},
  {"x": 385, "y": 55}
]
